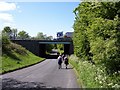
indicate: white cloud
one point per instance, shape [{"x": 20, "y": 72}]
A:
[
  {"x": 5, "y": 17},
  {"x": 7, "y": 24},
  {"x": 7, "y": 6}
]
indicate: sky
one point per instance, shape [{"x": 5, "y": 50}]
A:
[{"x": 34, "y": 17}]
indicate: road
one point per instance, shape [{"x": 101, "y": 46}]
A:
[{"x": 43, "y": 75}]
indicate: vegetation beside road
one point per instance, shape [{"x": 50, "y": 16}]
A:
[
  {"x": 97, "y": 43},
  {"x": 15, "y": 56},
  {"x": 96, "y": 34},
  {"x": 94, "y": 76}
]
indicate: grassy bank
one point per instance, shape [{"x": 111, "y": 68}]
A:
[
  {"x": 14, "y": 57},
  {"x": 94, "y": 76}
]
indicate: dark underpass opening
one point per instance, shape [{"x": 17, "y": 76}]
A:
[{"x": 43, "y": 46}]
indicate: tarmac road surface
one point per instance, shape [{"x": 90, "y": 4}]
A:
[{"x": 43, "y": 75}]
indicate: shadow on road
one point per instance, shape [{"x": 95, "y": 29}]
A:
[
  {"x": 67, "y": 68},
  {"x": 51, "y": 56},
  {"x": 13, "y": 84}
]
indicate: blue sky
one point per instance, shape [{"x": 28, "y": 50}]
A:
[{"x": 34, "y": 17}]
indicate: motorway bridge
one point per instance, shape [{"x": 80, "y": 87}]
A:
[{"x": 38, "y": 47}]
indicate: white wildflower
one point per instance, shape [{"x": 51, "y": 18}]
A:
[
  {"x": 101, "y": 70},
  {"x": 93, "y": 65},
  {"x": 113, "y": 86},
  {"x": 105, "y": 78},
  {"x": 96, "y": 78},
  {"x": 110, "y": 84},
  {"x": 119, "y": 72},
  {"x": 100, "y": 82},
  {"x": 116, "y": 86},
  {"x": 115, "y": 72},
  {"x": 99, "y": 76}
]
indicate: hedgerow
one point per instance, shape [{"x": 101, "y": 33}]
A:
[{"x": 96, "y": 34}]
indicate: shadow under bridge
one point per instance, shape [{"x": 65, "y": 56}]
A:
[{"x": 67, "y": 46}]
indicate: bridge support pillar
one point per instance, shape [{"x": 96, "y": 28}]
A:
[
  {"x": 66, "y": 48},
  {"x": 42, "y": 50},
  {"x": 71, "y": 50}
]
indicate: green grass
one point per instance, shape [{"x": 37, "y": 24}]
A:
[
  {"x": 10, "y": 63},
  {"x": 15, "y": 57},
  {"x": 94, "y": 76}
]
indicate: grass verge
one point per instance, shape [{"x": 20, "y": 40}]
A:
[
  {"x": 73, "y": 63},
  {"x": 19, "y": 61},
  {"x": 94, "y": 76},
  {"x": 15, "y": 57}
]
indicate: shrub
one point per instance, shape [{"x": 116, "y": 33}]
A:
[
  {"x": 5, "y": 40},
  {"x": 8, "y": 46},
  {"x": 103, "y": 43},
  {"x": 96, "y": 34},
  {"x": 5, "y": 43}
]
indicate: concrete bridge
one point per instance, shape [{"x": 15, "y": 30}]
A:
[{"x": 38, "y": 47}]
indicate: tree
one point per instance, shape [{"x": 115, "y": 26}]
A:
[
  {"x": 10, "y": 33},
  {"x": 96, "y": 33},
  {"x": 7, "y": 31},
  {"x": 42, "y": 36},
  {"x": 49, "y": 37},
  {"x": 23, "y": 35},
  {"x": 14, "y": 32}
]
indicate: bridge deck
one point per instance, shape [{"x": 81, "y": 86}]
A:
[{"x": 54, "y": 42}]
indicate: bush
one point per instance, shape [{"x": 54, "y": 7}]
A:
[
  {"x": 5, "y": 43},
  {"x": 8, "y": 46},
  {"x": 5, "y": 40},
  {"x": 103, "y": 40},
  {"x": 96, "y": 34}
]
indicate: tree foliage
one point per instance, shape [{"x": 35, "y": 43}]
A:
[
  {"x": 10, "y": 33},
  {"x": 14, "y": 31},
  {"x": 41, "y": 36},
  {"x": 96, "y": 33},
  {"x": 7, "y": 31},
  {"x": 23, "y": 35}
]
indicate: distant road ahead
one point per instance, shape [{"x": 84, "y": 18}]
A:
[{"x": 45, "y": 74}]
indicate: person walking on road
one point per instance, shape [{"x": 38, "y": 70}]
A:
[
  {"x": 63, "y": 55},
  {"x": 60, "y": 61},
  {"x": 66, "y": 61}
]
